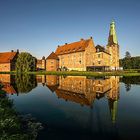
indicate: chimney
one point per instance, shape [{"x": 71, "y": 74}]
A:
[
  {"x": 12, "y": 50},
  {"x": 58, "y": 46},
  {"x": 17, "y": 50},
  {"x": 82, "y": 39},
  {"x": 91, "y": 37},
  {"x": 66, "y": 43}
]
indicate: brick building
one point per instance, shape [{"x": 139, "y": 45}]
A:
[
  {"x": 52, "y": 62},
  {"x": 8, "y": 61},
  {"x": 84, "y": 55},
  {"x": 41, "y": 64}
]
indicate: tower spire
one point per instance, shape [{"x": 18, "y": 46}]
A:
[{"x": 112, "y": 39}]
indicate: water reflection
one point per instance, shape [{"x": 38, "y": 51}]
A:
[
  {"x": 78, "y": 89},
  {"x": 15, "y": 84},
  {"x": 25, "y": 83},
  {"x": 8, "y": 81},
  {"x": 128, "y": 81},
  {"x": 83, "y": 90},
  {"x": 77, "y": 104}
]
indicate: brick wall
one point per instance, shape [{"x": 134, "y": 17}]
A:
[
  {"x": 101, "y": 59},
  {"x": 52, "y": 65},
  {"x": 73, "y": 61}
]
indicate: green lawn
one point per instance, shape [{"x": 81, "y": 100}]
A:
[{"x": 83, "y": 73}]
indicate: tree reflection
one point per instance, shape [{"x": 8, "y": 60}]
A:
[
  {"x": 128, "y": 81},
  {"x": 128, "y": 87},
  {"x": 25, "y": 83}
]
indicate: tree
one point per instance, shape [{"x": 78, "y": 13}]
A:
[
  {"x": 126, "y": 61},
  {"x": 129, "y": 62},
  {"x": 25, "y": 62},
  {"x": 127, "y": 54}
]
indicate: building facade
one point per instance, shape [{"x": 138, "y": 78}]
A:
[
  {"x": 8, "y": 61},
  {"x": 52, "y": 62}
]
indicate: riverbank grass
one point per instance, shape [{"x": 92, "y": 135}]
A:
[{"x": 81, "y": 73}]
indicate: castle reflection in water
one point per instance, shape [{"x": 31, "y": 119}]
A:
[
  {"x": 83, "y": 90},
  {"x": 79, "y": 89}
]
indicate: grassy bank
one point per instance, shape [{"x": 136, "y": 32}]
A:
[{"x": 82, "y": 73}]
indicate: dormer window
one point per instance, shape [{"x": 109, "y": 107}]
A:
[{"x": 98, "y": 50}]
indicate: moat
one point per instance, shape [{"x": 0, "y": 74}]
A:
[{"x": 78, "y": 107}]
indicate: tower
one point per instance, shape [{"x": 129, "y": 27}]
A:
[
  {"x": 113, "y": 47},
  {"x": 113, "y": 97},
  {"x": 43, "y": 63}
]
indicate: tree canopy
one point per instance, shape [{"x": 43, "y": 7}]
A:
[
  {"x": 127, "y": 54},
  {"x": 25, "y": 62},
  {"x": 129, "y": 62}
]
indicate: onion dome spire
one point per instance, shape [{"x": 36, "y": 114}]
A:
[{"x": 112, "y": 39}]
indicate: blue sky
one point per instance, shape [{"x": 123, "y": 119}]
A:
[{"x": 39, "y": 26}]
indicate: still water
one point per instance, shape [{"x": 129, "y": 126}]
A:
[{"x": 78, "y": 107}]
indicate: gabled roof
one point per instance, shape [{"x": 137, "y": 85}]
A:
[
  {"x": 73, "y": 97},
  {"x": 9, "y": 89},
  {"x": 52, "y": 56},
  {"x": 7, "y": 57},
  {"x": 101, "y": 49},
  {"x": 73, "y": 47}
]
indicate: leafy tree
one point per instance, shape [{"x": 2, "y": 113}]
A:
[
  {"x": 129, "y": 62},
  {"x": 127, "y": 54},
  {"x": 25, "y": 62}
]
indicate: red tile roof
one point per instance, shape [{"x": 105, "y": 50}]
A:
[
  {"x": 9, "y": 89},
  {"x": 7, "y": 57},
  {"x": 73, "y": 96},
  {"x": 52, "y": 56},
  {"x": 73, "y": 47}
]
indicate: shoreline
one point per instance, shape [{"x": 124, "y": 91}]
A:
[{"x": 79, "y": 73}]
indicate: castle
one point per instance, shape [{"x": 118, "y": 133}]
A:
[
  {"x": 80, "y": 56},
  {"x": 84, "y": 55}
]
